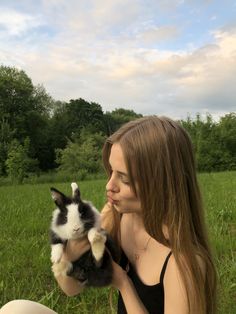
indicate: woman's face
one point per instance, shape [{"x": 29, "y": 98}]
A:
[{"x": 119, "y": 192}]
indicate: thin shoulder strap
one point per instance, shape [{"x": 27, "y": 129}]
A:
[{"x": 164, "y": 268}]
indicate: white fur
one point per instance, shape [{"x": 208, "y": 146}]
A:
[
  {"x": 61, "y": 268},
  {"x": 74, "y": 186},
  {"x": 97, "y": 241},
  {"x": 74, "y": 228},
  {"x": 56, "y": 252}
]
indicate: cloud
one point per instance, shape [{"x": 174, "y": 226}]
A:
[
  {"x": 16, "y": 23},
  {"x": 110, "y": 52},
  {"x": 155, "y": 34},
  {"x": 208, "y": 74},
  {"x": 145, "y": 80}
]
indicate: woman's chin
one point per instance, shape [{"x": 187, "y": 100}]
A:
[
  {"x": 122, "y": 210},
  {"x": 117, "y": 207}
]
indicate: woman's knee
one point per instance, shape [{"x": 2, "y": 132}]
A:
[
  {"x": 25, "y": 307},
  {"x": 10, "y": 307}
]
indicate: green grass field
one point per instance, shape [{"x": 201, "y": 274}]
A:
[{"x": 25, "y": 270}]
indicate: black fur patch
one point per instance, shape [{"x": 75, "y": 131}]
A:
[
  {"x": 85, "y": 270},
  {"x": 62, "y": 217},
  {"x": 87, "y": 215},
  {"x": 54, "y": 238}
]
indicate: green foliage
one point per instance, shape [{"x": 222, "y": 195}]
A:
[
  {"x": 6, "y": 136},
  {"x": 25, "y": 110},
  {"x": 214, "y": 143},
  {"x": 16, "y": 90},
  {"x": 28, "y": 111},
  {"x": 83, "y": 155},
  {"x": 117, "y": 118},
  {"x": 18, "y": 163},
  {"x": 228, "y": 138},
  {"x": 70, "y": 118}
]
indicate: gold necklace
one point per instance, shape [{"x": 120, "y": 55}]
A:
[{"x": 144, "y": 249}]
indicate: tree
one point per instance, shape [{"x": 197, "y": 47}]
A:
[
  {"x": 115, "y": 119},
  {"x": 214, "y": 143},
  {"x": 6, "y": 136},
  {"x": 26, "y": 110},
  {"x": 227, "y": 134},
  {"x": 18, "y": 163},
  {"x": 16, "y": 91},
  {"x": 83, "y": 155},
  {"x": 70, "y": 118},
  {"x": 83, "y": 114}
]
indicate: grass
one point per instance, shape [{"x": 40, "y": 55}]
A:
[
  {"x": 220, "y": 202},
  {"x": 25, "y": 214}
]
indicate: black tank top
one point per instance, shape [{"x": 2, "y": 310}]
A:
[{"x": 152, "y": 297}]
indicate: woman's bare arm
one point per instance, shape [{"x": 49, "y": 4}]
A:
[
  {"x": 74, "y": 249},
  {"x": 122, "y": 282}
]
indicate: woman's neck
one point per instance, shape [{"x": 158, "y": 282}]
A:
[{"x": 137, "y": 220}]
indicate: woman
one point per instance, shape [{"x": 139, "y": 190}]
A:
[{"x": 155, "y": 213}]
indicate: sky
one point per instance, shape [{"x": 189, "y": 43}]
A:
[{"x": 167, "y": 57}]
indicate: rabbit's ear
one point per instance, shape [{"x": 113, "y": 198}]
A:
[
  {"x": 75, "y": 192},
  {"x": 58, "y": 197}
]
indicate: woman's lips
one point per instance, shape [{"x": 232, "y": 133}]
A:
[{"x": 112, "y": 201}]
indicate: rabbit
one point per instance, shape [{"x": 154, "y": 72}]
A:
[{"x": 75, "y": 218}]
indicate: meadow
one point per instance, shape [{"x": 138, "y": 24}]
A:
[{"x": 25, "y": 269}]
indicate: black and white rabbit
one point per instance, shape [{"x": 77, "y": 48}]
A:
[{"x": 75, "y": 218}]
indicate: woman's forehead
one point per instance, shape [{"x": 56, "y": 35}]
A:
[{"x": 116, "y": 159}]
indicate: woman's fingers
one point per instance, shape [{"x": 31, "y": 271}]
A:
[{"x": 75, "y": 248}]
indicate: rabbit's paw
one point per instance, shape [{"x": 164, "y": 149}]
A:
[
  {"x": 97, "y": 240},
  {"x": 61, "y": 268},
  {"x": 56, "y": 253}
]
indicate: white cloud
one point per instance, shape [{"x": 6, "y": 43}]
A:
[
  {"x": 155, "y": 34},
  {"x": 105, "y": 51},
  {"x": 146, "y": 80},
  {"x": 16, "y": 23}
]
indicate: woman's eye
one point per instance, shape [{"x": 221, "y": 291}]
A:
[{"x": 124, "y": 180}]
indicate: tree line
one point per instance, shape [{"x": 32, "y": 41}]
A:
[{"x": 38, "y": 133}]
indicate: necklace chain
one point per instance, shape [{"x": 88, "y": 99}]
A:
[
  {"x": 143, "y": 249},
  {"x": 146, "y": 245}
]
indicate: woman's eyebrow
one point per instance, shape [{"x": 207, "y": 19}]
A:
[
  {"x": 122, "y": 173},
  {"x": 119, "y": 172}
]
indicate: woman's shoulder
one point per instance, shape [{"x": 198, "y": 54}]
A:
[
  {"x": 175, "y": 292},
  {"x": 173, "y": 268}
]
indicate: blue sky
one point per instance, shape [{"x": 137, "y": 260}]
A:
[{"x": 173, "y": 58}]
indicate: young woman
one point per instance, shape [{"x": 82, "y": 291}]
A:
[{"x": 155, "y": 213}]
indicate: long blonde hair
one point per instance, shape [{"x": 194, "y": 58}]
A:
[{"x": 159, "y": 158}]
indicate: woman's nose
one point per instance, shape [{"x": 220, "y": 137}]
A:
[{"x": 112, "y": 185}]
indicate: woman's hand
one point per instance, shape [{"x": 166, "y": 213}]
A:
[
  {"x": 128, "y": 292},
  {"x": 74, "y": 249}
]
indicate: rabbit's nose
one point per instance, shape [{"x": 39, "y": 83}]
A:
[{"x": 76, "y": 228}]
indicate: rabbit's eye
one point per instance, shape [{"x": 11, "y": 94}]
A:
[{"x": 82, "y": 208}]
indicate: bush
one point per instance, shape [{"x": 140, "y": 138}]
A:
[
  {"x": 81, "y": 156},
  {"x": 18, "y": 163}
]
